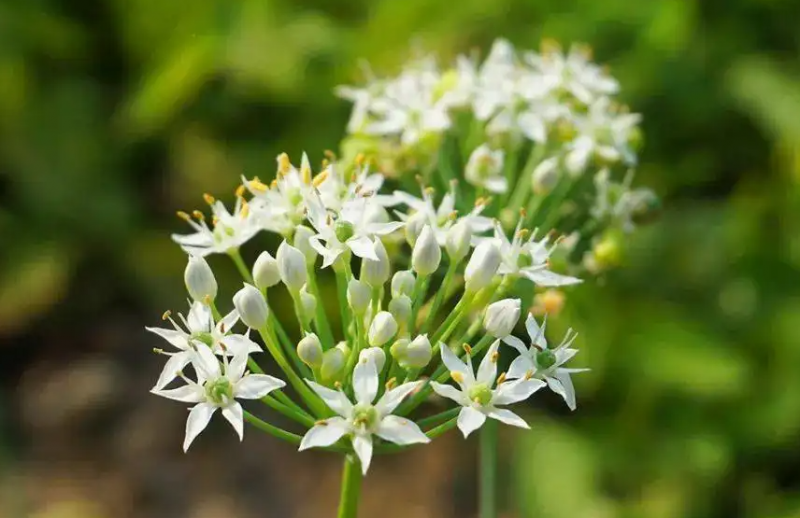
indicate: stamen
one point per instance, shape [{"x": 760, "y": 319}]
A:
[
  {"x": 360, "y": 160},
  {"x": 457, "y": 376},
  {"x": 245, "y": 209},
  {"x": 391, "y": 383},
  {"x": 501, "y": 378},
  {"x": 329, "y": 154},
  {"x": 240, "y": 191},
  {"x": 338, "y": 385},
  {"x": 166, "y": 315},
  {"x": 184, "y": 216},
  {"x": 207, "y": 300},
  {"x": 258, "y": 185},
  {"x": 468, "y": 349},
  {"x": 209, "y": 199},
  {"x": 523, "y": 212},
  {"x": 284, "y": 165},
  {"x": 322, "y": 422},
  {"x": 494, "y": 357},
  {"x": 198, "y": 215}
]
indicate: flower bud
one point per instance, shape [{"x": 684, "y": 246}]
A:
[
  {"x": 292, "y": 266},
  {"x": 482, "y": 266},
  {"x": 309, "y": 304},
  {"x": 382, "y": 329},
  {"x": 398, "y": 349},
  {"x": 485, "y": 165},
  {"x": 414, "y": 227},
  {"x": 199, "y": 279},
  {"x": 301, "y": 236},
  {"x": 426, "y": 255},
  {"x": 374, "y": 354},
  {"x": 375, "y": 273},
  {"x": 418, "y": 353},
  {"x": 252, "y": 307},
  {"x": 359, "y": 296},
  {"x": 403, "y": 283},
  {"x": 545, "y": 176},
  {"x": 265, "y": 271},
  {"x": 309, "y": 350},
  {"x": 342, "y": 346},
  {"x": 333, "y": 361},
  {"x": 501, "y": 317},
  {"x": 459, "y": 240},
  {"x": 400, "y": 308}
]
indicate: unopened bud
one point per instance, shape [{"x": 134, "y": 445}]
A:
[
  {"x": 374, "y": 354},
  {"x": 376, "y": 273},
  {"x": 427, "y": 255},
  {"x": 382, "y": 329},
  {"x": 308, "y": 303},
  {"x": 292, "y": 266},
  {"x": 358, "y": 296},
  {"x": 418, "y": 353},
  {"x": 482, "y": 266},
  {"x": 199, "y": 279},
  {"x": 400, "y": 308},
  {"x": 459, "y": 240},
  {"x": 252, "y": 307},
  {"x": 414, "y": 227},
  {"x": 265, "y": 271},
  {"x": 545, "y": 176},
  {"x": 333, "y": 362},
  {"x": 403, "y": 283},
  {"x": 309, "y": 350},
  {"x": 501, "y": 317},
  {"x": 398, "y": 349}
]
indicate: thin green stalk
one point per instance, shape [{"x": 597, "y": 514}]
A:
[
  {"x": 272, "y": 430},
  {"x": 440, "y": 295},
  {"x": 239, "y": 262},
  {"x": 488, "y": 469},
  {"x": 351, "y": 487},
  {"x": 321, "y": 322},
  {"x": 438, "y": 418},
  {"x": 420, "y": 292},
  {"x": 341, "y": 290},
  {"x": 276, "y": 405},
  {"x": 279, "y": 394},
  {"x": 510, "y": 171},
  {"x": 523, "y": 187}
]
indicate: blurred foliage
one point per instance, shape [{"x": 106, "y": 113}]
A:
[{"x": 115, "y": 113}]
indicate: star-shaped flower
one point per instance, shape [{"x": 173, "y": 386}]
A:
[
  {"x": 545, "y": 363},
  {"x": 476, "y": 395},
  {"x": 363, "y": 420},
  {"x": 228, "y": 230},
  {"x": 218, "y": 387}
]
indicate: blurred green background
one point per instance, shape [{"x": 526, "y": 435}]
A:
[{"x": 116, "y": 113}]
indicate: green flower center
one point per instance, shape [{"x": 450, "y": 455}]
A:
[
  {"x": 204, "y": 337},
  {"x": 481, "y": 394},
  {"x": 545, "y": 359},
  {"x": 365, "y": 416},
  {"x": 524, "y": 260},
  {"x": 344, "y": 230},
  {"x": 220, "y": 391},
  {"x": 294, "y": 196}
]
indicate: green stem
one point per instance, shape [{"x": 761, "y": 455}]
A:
[
  {"x": 272, "y": 430},
  {"x": 488, "y": 469},
  {"x": 321, "y": 323},
  {"x": 437, "y": 418},
  {"x": 440, "y": 295},
  {"x": 276, "y": 405},
  {"x": 420, "y": 291},
  {"x": 239, "y": 262},
  {"x": 279, "y": 395},
  {"x": 344, "y": 308},
  {"x": 351, "y": 487},
  {"x": 523, "y": 187}
]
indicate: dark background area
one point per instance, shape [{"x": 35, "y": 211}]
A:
[{"x": 116, "y": 113}]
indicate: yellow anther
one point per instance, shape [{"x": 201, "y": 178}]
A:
[
  {"x": 305, "y": 174},
  {"x": 207, "y": 300},
  {"x": 198, "y": 215},
  {"x": 321, "y": 177},
  {"x": 209, "y": 199},
  {"x": 215, "y": 220},
  {"x": 158, "y": 351},
  {"x": 453, "y": 215},
  {"x": 166, "y": 315},
  {"x": 501, "y": 378},
  {"x": 523, "y": 212},
  {"x": 322, "y": 422},
  {"x": 528, "y": 375},
  {"x": 360, "y": 159},
  {"x": 338, "y": 385},
  {"x": 523, "y": 233},
  {"x": 430, "y": 191},
  {"x": 222, "y": 327},
  {"x": 258, "y": 185},
  {"x": 391, "y": 383},
  {"x": 467, "y": 349},
  {"x": 240, "y": 191},
  {"x": 457, "y": 376},
  {"x": 245, "y": 209},
  {"x": 494, "y": 357},
  {"x": 325, "y": 163},
  {"x": 184, "y": 216},
  {"x": 330, "y": 155},
  {"x": 284, "y": 165},
  {"x": 273, "y": 183}
]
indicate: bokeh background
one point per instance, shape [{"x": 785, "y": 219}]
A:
[{"x": 115, "y": 113}]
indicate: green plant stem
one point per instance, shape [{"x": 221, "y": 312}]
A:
[
  {"x": 321, "y": 321},
  {"x": 341, "y": 289},
  {"x": 272, "y": 430},
  {"x": 239, "y": 262},
  {"x": 440, "y": 295},
  {"x": 351, "y": 487},
  {"x": 437, "y": 418},
  {"x": 523, "y": 187},
  {"x": 420, "y": 291},
  {"x": 279, "y": 394},
  {"x": 488, "y": 469}
]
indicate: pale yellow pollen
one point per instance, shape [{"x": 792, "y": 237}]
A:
[
  {"x": 305, "y": 174},
  {"x": 468, "y": 349},
  {"x": 245, "y": 209},
  {"x": 209, "y": 199},
  {"x": 284, "y": 165},
  {"x": 360, "y": 158},
  {"x": 330, "y": 155},
  {"x": 523, "y": 233},
  {"x": 391, "y": 383},
  {"x": 207, "y": 300},
  {"x": 239, "y": 191},
  {"x": 183, "y": 216},
  {"x": 322, "y": 422},
  {"x": 258, "y": 185},
  {"x": 325, "y": 163},
  {"x": 528, "y": 375},
  {"x": 457, "y": 376},
  {"x": 495, "y": 356},
  {"x": 198, "y": 215},
  {"x": 501, "y": 378},
  {"x": 214, "y": 220},
  {"x": 430, "y": 191},
  {"x": 453, "y": 215},
  {"x": 338, "y": 385},
  {"x": 273, "y": 183},
  {"x": 166, "y": 315}
]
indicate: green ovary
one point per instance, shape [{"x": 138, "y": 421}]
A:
[
  {"x": 220, "y": 391},
  {"x": 480, "y": 393}
]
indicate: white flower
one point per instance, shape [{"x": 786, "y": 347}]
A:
[
  {"x": 199, "y": 328},
  {"x": 228, "y": 231},
  {"x": 601, "y": 132},
  {"x": 426, "y": 255},
  {"x": 199, "y": 279},
  {"x": 543, "y": 363},
  {"x": 333, "y": 363},
  {"x": 528, "y": 258},
  {"x": 476, "y": 395},
  {"x": 362, "y": 420},
  {"x": 482, "y": 266},
  {"x": 501, "y": 317},
  {"x": 265, "y": 271},
  {"x": 252, "y": 307},
  {"x": 403, "y": 283},
  {"x": 219, "y": 389},
  {"x": 349, "y": 229},
  {"x": 401, "y": 308},
  {"x": 617, "y": 203},
  {"x": 302, "y": 241},
  {"x": 485, "y": 169},
  {"x": 291, "y": 266},
  {"x": 415, "y": 354},
  {"x": 382, "y": 329},
  {"x": 441, "y": 219},
  {"x": 335, "y": 189}
]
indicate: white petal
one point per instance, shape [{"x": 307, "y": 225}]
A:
[
  {"x": 535, "y": 332},
  {"x": 325, "y": 433},
  {"x": 400, "y": 430},
  {"x": 450, "y": 392},
  {"x": 521, "y": 366},
  {"x": 177, "y": 339},
  {"x": 256, "y": 386},
  {"x": 205, "y": 363},
  {"x": 508, "y": 417},
  {"x": 516, "y": 391},
  {"x": 200, "y": 318},
  {"x": 184, "y": 394},
  {"x": 547, "y": 278},
  {"x": 365, "y": 381},
  {"x": 516, "y": 343},
  {"x": 236, "y": 344},
  {"x": 470, "y": 420},
  {"x": 198, "y": 419},
  {"x": 335, "y": 399},
  {"x": 496, "y": 184},
  {"x": 236, "y": 367},
  {"x": 487, "y": 371},
  {"x": 556, "y": 386},
  {"x": 381, "y": 229},
  {"x": 394, "y": 397},
  {"x": 362, "y": 444},
  {"x": 362, "y": 247},
  {"x": 454, "y": 364},
  {"x": 175, "y": 363},
  {"x": 233, "y": 413},
  {"x": 228, "y": 321},
  {"x": 569, "y": 389}
]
